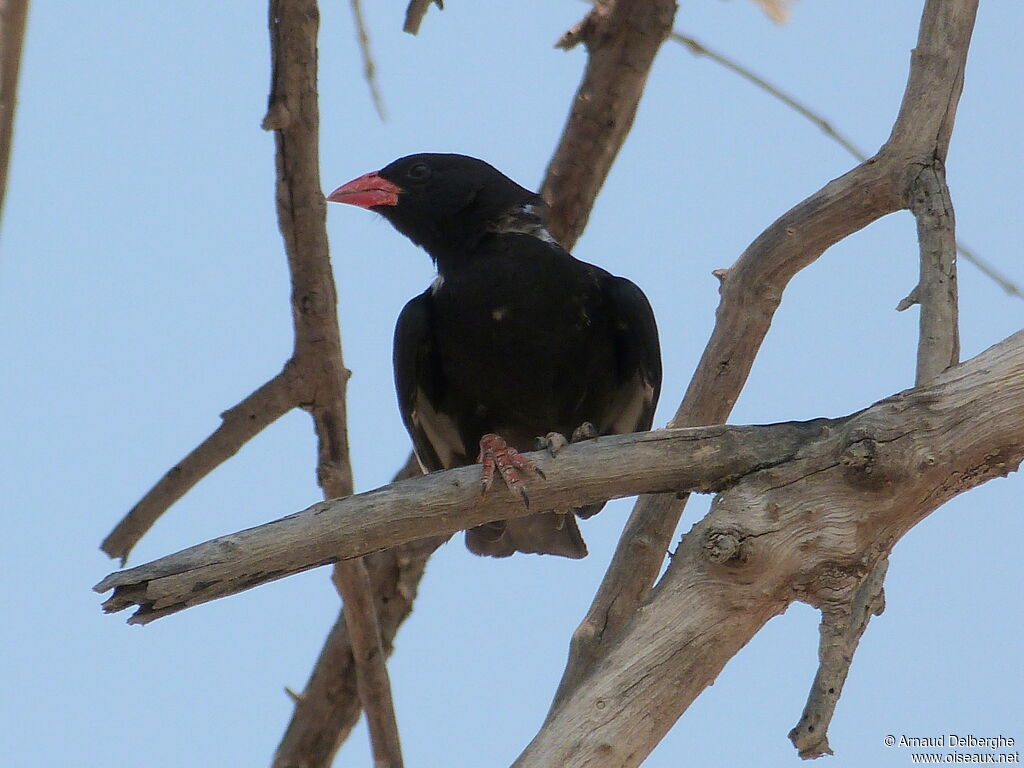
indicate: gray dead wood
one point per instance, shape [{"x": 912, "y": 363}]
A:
[
  {"x": 845, "y": 618},
  {"x": 442, "y": 503},
  {"x": 751, "y": 291},
  {"x": 328, "y": 706},
  {"x": 621, "y": 50},
  {"x": 12, "y": 35},
  {"x": 293, "y": 115},
  {"x": 796, "y": 531},
  {"x": 415, "y": 12}
]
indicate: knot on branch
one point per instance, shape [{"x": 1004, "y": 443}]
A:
[
  {"x": 313, "y": 304},
  {"x": 868, "y": 464},
  {"x": 589, "y": 30},
  {"x": 832, "y": 587},
  {"x": 725, "y": 547},
  {"x": 810, "y": 735},
  {"x": 278, "y": 116},
  {"x": 843, "y": 591}
]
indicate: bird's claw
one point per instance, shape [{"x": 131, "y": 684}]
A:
[
  {"x": 495, "y": 453},
  {"x": 554, "y": 442},
  {"x": 585, "y": 431}
]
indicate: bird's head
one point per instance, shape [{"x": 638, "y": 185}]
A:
[{"x": 444, "y": 203}]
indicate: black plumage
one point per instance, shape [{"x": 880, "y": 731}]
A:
[{"x": 515, "y": 337}]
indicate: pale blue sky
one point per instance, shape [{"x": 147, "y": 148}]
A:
[{"x": 143, "y": 291}]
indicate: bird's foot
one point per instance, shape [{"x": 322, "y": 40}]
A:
[
  {"x": 553, "y": 442},
  {"x": 495, "y": 453},
  {"x": 585, "y": 431}
]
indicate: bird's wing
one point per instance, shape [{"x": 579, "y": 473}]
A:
[
  {"x": 419, "y": 385},
  {"x": 638, "y": 355}
]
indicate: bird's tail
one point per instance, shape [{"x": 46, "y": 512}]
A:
[{"x": 547, "y": 533}]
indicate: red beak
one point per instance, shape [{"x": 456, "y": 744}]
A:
[{"x": 368, "y": 191}]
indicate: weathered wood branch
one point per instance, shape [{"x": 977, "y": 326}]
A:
[
  {"x": 844, "y": 620},
  {"x": 704, "y": 458},
  {"x": 294, "y": 116},
  {"x": 794, "y": 531},
  {"x": 239, "y": 425},
  {"x": 622, "y": 38},
  {"x": 443, "y": 503},
  {"x": 12, "y": 35},
  {"x": 751, "y": 290},
  {"x": 415, "y": 12},
  {"x": 328, "y": 706},
  {"x": 610, "y": 89},
  {"x": 936, "y": 291}
]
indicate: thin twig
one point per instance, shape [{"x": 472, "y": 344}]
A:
[
  {"x": 841, "y": 628},
  {"x": 936, "y": 292},
  {"x": 415, "y": 12},
  {"x": 369, "y": 69},
  {"x": 12, "y": 34},
  {"x": 238, "y": 426},
  {"x": 700, "y": 49}
]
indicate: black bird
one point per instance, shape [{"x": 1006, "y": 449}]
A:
[{"x": 515, "y": 338}]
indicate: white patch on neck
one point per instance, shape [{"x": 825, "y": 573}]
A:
[
  {"x": 436, "y": 285},
  {"x": 525, "y": 220}
]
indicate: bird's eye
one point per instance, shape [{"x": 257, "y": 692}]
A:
[{"x": 419, "y": 172}]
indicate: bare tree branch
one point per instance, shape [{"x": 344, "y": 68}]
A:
[
  {"x": 328, "y": 706},
  {"x": 322, "y": 719},
  {"x": 12, "y": 34},
  {"x": 314, "y": 378},
  {"x": 441, "y": 503},
  {"x": 293, "y": 114},
  {"x": 622, "y": 38},
  {"x": 415, "y": 12},
  {"x": 842, "y": 624},
  {"x": 751, "y": 291},
  {"x": 939, "y": 345},
  {"x": 369, "y": 68},
  {"x": 239, "y": 425},
  {"x": 795, "y": 531}
]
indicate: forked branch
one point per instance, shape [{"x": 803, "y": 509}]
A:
[
  {"x": 751, "y": 291},
  {"x": 798, "y": 531}
]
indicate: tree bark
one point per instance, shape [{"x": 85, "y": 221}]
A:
[
  {"x": 797, "y": 531},
  {"x": 963, "y": 404}
]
